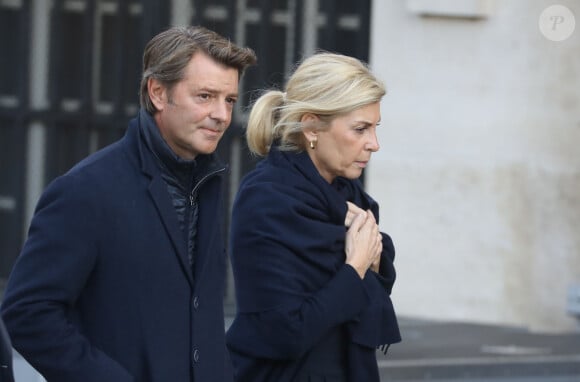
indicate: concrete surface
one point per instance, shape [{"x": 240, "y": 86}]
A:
[
  {"x": 450, "y": 351},
  {"x": 453, "y": 351}
]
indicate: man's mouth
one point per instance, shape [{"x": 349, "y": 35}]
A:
[{"x": 213, "y": 131}]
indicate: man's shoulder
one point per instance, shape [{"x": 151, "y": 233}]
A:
[
  {"x": 108, "y": 171},
  {"x": 103, "y": 162}
]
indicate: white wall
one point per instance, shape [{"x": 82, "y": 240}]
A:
[{"x": 478, "y": 175}]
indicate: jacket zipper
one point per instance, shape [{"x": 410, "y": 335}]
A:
[{"x": 201, "y": 181}]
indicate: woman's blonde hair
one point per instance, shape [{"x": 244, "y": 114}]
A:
[{"x": 326, "y": 85}]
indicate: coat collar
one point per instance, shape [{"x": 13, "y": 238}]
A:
[
  {"x": 337, "y": 192},
  {"x": 340, "y": 190},
  {"x": 157, "y": 187}
]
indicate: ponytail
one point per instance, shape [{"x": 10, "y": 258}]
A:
[{"x": 262, "y": 120}]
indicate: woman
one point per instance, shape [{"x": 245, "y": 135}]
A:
[{"x": 313, "y": 273}]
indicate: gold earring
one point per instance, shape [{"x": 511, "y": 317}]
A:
[{"x": 313, "y": 144}]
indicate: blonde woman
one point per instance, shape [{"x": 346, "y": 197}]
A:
[{"x": 313, "y": 272}]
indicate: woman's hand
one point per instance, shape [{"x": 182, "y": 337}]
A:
[
  {"x": 375, "y": 266},
  {"x": 363, "y": 244},
  {"x": 352, "y": 212}
]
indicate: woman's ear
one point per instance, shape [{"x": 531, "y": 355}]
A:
[
  {"x": 310, "y": 121},
  {"x": 157, "y": 93}
]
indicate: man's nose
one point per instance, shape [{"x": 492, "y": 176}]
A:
[{"x": 221, "y": 111}]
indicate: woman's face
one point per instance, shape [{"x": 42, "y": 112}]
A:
[{"x": 345, "y": 148}]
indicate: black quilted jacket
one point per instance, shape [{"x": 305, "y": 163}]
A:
[{"x": 184, "y": 179}]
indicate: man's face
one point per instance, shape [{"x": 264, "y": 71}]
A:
[{"x": 195, "y": 113}]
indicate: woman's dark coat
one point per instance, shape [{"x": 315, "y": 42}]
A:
[
  {"x": 103, "y": 289},
  {"x": 292, "y": 285}
]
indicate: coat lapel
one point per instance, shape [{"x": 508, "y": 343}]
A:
[
  {"x": 160, "y": 196},
  {"x": 158, "y": 192}
]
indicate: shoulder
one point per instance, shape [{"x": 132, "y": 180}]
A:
[
  {"x": 288, "y": 172},
  {"x": 268, "y": 184},
  {"x": 94, "y": 176},
  {"x": 110, "y": 164},
  {"x": 100, "y": 159}
]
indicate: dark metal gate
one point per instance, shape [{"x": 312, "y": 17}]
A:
[{"x": 70, "y": 72}]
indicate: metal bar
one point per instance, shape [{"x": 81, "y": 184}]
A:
[
  {"x": 309, "y": 27},
  {"x": 23, "y": 53},
  {"x": 363, "y": 33},
  {"x": 121, "y": 53}
]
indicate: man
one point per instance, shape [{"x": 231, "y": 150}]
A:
[{"x": 122, "y": 275}]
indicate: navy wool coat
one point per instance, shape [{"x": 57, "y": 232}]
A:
[
  {"x": 292, "y": 284},
  {"x": 103, "y": 290}
]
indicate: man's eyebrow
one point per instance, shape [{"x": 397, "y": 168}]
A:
[{"x": 215, "y": 91}]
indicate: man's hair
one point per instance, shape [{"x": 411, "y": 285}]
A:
[{"x": 167, "y": 55}]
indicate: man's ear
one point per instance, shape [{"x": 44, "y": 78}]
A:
[
  {"x": 310, "y": 121},
  {"x": 157, "y": 93}
]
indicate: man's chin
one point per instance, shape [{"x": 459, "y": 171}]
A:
[{"x": 208, "y": 149}]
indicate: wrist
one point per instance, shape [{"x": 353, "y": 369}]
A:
[{"x": 361, "y": 271}]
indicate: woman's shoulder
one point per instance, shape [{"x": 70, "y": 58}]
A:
[{"x": 278, "y": 176}]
